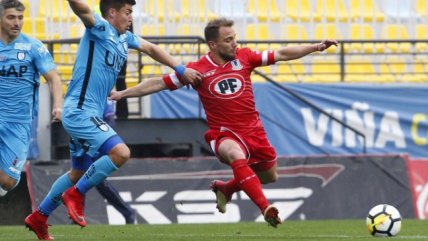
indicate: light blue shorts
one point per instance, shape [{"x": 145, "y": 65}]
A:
[
  {"x": 14, "y": 144},
  {"x": 87, "y": 133}
]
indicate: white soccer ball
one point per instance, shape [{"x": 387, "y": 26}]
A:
[{"x": 383, "y": 221}]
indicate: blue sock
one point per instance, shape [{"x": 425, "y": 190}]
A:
[
  {"x": 95, "y": 174},
  {"x": 53, "y": 199}
]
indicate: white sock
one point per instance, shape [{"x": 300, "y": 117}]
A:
[{"x": 2, "y": 192}]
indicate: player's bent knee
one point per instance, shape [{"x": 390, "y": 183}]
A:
[
  {"x": 269, "y": 177},
  {"x": 120, "y": 154}
]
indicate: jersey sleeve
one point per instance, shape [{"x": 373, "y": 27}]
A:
[
  {"x": 99, "y": 28},
  {"x": 264, "y": 58},
  {"x": 172, "y": 81},
  {"x": 133, "y": 40},
  {"x": 42, "y": 58}
]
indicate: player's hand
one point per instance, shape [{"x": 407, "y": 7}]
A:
[
  {"x": 325, "y": 44},
  {"x": 192, "y": 77},
  {"x": 115, "y": 95},
  {"x": 56, "y": 115}
]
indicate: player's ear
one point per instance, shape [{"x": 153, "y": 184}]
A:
[
  {"x": 212, "y": 44},
  {"x": 111, "y": 12}
]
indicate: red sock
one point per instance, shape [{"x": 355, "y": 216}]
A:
[
  {"x": 232, "y": 186},
  {"x": 248, "y": 181}
]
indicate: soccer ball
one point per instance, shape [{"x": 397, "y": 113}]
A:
[{"x": 383, "y": 220}]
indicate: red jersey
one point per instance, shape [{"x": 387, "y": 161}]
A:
[{"x": 226, "y": 91}]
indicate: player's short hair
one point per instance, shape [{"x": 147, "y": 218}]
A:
[
  {"x": 6, "y": 4},
  {"x": 213, "y": 26},
  {"x": 116, "y": 4}
]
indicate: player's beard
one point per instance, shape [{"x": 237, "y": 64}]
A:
[{"x": 226, "y": 56}]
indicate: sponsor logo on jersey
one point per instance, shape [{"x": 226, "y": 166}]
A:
[
  {"x": 43, "y": 50},
  {"x": 22, "y": 46},
  {"x": 16, "y": 71},
  {"x": 227, "y": 86},
  {"x": 114, "y": 60},
  {"x": 236, "y": 65},
  {"x": 20, "y": 55},
  {"x": 208, "y": 74}
]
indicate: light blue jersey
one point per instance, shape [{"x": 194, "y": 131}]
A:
[
  {"x": 100, "y": 57},
  {"x": 21, "y": 63}
]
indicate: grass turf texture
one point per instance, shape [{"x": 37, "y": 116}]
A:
[{"x": 245, "y": 231}]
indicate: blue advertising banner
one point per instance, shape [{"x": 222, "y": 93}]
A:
[{"x": 393, "y": 118}]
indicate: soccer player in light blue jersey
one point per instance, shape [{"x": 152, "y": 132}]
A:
[
  {"x": 22, "y": 60},
  {"x": 96, "y": 150}
]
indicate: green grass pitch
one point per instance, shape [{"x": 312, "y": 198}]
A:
[{"x": 245, "y": 231}]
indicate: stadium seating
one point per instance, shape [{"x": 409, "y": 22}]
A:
[
  {"x": 291, "y": 20},
  {"x": 264, "y": 10},
  {"x": 417, "y": 73},
  {"x": 56, "y": 10},
  {"x": 396, "y": 32},
  {"x": 301, "y": 10},
  {"x": 293, "y": 32},
  {"x": 366, "y": 11},
  {"x": 421, "y": 8},
  {"x": 323, "y": 71},
  {"x": 392, "y": 68},
  {"x": 421, "y": 33},
  {"x": 284, "y": 73},
  {"x": 258, "y": 32},
  {"x": 198, "y": 10},
  {"x": 332, "y": 10},
  {"x": 363, "y": 32},
  {"x": 152, "y": 30},
  {"x": 362, "y": 70},
  {"x": 35, "y": 27}
]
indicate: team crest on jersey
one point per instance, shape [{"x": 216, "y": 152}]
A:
[
  {"x": 236, "y": 65},
  {"x": 227, "y": 86},
  {"x": 20, "y": 55},
  {"x": 103, "y": 127}
]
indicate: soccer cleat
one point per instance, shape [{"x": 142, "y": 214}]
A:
[
  {"x": 74, "y": 201},
  {"x": 2, "y": 192},
  {"x": 36, "y": 222},
  {"x": 222, "y": 197},
  {"x": 131, "y": 219},
  {"x": 271, "y": 216}
]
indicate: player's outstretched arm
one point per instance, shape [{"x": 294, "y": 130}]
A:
[
  {"x": 298, "y": 51},
  {"x": 146, "y": 87},
  {"x": 83, "y": 11},
  {"x": 54, "y": 82},
  {"x": 189, "y": 76}
]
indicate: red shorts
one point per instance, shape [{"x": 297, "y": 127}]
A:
[{"x": 260, "y": 153}]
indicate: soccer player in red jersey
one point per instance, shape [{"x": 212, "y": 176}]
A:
[{"x": 235, "y": 133}]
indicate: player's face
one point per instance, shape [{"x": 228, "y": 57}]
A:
[
  {"x": 226, "y": 43},
  {"x": 11, "y": 23},
  {"x": 122, "y": 19}
]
